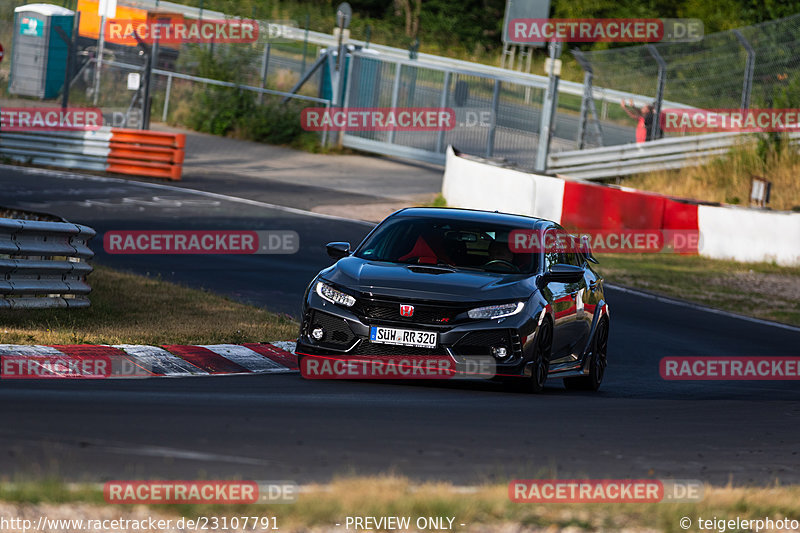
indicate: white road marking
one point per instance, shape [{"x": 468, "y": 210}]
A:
[
  {"x": 286, "y": 346},
  {"x": 243, "y": 356},
  {"x": 29, "y": 350},
  {"x": 154, "y": 356}
]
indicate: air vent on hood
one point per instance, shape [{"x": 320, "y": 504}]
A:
[{"x": 430, "y": 270}]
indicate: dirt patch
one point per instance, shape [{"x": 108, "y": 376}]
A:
[{"x": 767, "y": 287}]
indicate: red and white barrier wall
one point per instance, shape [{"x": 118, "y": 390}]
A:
[
  {"x": 736, "y": 233},
  {"x": 749, "y": 235},
  {"x": 115, "y": 150}
]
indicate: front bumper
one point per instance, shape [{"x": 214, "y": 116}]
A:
[{"x": 347, "y": 333}]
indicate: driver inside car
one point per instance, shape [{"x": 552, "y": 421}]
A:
[{"x": 499, "y": 251}]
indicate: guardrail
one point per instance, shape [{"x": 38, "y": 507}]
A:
[
  {"x": 662, "y": 154},
  {"x": 44, "y": 264},
  {"x": 118, "y": 150}
]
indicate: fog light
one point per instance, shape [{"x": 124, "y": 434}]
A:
[
  {"x": 499, "y": 351},
  {"x": 317, "y": 334}
]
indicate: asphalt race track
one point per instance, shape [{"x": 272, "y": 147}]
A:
[{"x": 282, "y": 427}]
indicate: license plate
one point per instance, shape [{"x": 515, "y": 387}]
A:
[{"x": 403, "y": 337}]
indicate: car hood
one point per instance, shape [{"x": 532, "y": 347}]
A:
[{"x": 418, "y": 282}]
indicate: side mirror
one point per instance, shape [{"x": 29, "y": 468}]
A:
[
  {"x": 562, "y": 273},
  {"x": 337, "y": 250},
  {"x": 586, "y": 249}
]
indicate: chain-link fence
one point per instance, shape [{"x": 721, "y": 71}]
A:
[
  {"x": 495, "y": 116},
  {"x": 756, "y": 67}
]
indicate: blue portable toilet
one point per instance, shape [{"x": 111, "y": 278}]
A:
[{"x": 39, "y": 54}]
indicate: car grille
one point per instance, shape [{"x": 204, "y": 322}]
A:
[
  {"x": 386, "y": 310},
  {"x": 373, "y": 348},
  {"x": 337, "y": 332},
  {"x": 481, "y": 342}
]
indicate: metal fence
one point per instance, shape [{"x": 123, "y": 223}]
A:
[
  {"x": 497, "y": 115},
  {"x": 44, "y": 264},
  {"x": 754, "y": 66}
]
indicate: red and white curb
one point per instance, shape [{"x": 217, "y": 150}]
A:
[{"x": 174, "y": 360}]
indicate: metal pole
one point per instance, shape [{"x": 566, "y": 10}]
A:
[
  {"x": 662, "y": 80},
  {"x": 395, "y": 95},
  {"x": 588, "y": 74},
  {"x": 325, "y": 129},
  {"x": 346, "y": 97},
  {"x": 150, "y": 64},
  {"x": 99, "y": 61},
  {"x": 749, "y": 67},
  {"x": 72, "y": 50},
  {"x": 166, "y": 99},
  {"x": 580, "y": 141},
  {"x": 548, "y": 110},
  {"x": 493, "y": 127},
  {"x": 148, "y": 72},
  {"x": 442, "y": 105},
  {"x": 305, "y": 44},
  {"x": 264, "y": 70}
]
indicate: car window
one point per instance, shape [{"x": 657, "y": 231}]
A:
[{"x": 477, "y": 245}]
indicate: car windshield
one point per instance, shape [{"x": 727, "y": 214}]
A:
[{"x": 460, "y": 244}]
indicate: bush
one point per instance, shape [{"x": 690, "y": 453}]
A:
[
  {"x": 232, "y": 111},
  {"x": 218, "y": 110},
  {"x": 272, "y": 123}
]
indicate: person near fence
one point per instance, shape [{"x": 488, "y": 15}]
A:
[{"x": 644, "y": 120}]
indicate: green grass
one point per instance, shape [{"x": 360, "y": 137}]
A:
[
  {"x": 132, "y": 309},
  {"x": 760, "y": 290},
  {"x": 487, "y": 506}
]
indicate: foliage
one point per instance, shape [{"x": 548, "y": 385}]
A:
[
  {"x": 471, "y": 25},
  {"x": 223, "y": 110}
]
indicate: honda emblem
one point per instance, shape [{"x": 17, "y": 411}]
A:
[{"x": 406, "y": 310}]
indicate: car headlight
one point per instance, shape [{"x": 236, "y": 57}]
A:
[
  {"x": 496, "y": 311},
  {"x": 326, "y": 292}
]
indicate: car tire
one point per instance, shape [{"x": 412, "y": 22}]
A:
[
  {"x": 597, "y": 362},
  {"x": 541, "y": 358}
]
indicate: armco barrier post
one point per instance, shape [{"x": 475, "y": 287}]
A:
[{"x": 46, "y": 265}]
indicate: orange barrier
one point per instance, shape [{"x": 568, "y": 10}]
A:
[{"x": 146, "y": 153}]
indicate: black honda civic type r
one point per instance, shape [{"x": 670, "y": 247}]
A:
[{"x": 454, "y": 278}]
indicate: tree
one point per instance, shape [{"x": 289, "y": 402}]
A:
[{"x": 412, "y": 10}]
